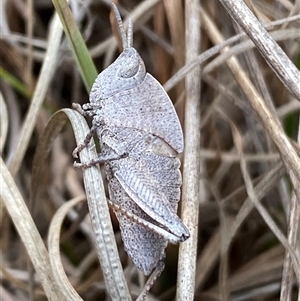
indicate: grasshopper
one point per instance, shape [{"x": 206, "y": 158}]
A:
[{"x": 140, "y": 136}]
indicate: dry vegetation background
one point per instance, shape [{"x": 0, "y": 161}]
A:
[{"x": 246, "y": 205}]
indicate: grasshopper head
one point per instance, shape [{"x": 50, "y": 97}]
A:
[{"x": 126, "y": 72}]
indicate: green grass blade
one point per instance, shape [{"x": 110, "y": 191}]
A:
[
  {"x": 16, "y": 83},
  {"x": 81, "y": 54}
]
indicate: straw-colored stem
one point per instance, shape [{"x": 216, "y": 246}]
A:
[{"x": 191, "y": 165}]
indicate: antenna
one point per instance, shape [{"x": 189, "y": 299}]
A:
[
  {"x": 129, "y": 34},
  {"x": 121, "y": 27}
]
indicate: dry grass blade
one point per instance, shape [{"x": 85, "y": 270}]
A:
[
  {"x": 287, "y": 274},
  {"x": 28, "y": 232},
  {"x": 45, "y": 77},
  {"x": 293, "y": 233},
  {"x": 288, "y": 153},
  {"x": 191, "y": 164},
  {"x": 106, "y": 245},
  {"x": 174, "y": 11},
  {"x": 208, "y": 258},
  {"x": 260, "y": 190},
  {"x": 253, "y": 197},
  {"x": 212, "y": 249},
  {"x": 3, "y": 135},
  {"x": 280, "y": 35},
  {"x": 272, "y": 53},
  {"x": 54, "y": 254},
  {"x": 180, "y": 74},
  {"x": 260, "y": 270},
  {"x": 4, "y": 123}
]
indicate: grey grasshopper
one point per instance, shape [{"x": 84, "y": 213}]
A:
[{"x": 140, "y": 137}]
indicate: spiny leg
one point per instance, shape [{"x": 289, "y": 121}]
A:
[
  {"x": 100, "y": 159},
  {"x": 85, "y": 143},
  {"x": 152, "y": 227},
  {"x": 151, "y": 280}
]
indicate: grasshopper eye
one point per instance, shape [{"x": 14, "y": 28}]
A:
[
  {"x": 129, "y": 70},
  {"x": 130, "y": 64}
]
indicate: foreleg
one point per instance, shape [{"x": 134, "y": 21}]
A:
[
  {"x": 101, "y": 159},
  {"x": 85, "y": 143}
]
